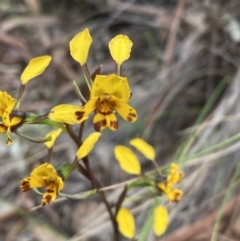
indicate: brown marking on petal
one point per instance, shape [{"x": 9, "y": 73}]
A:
[
  {"x": 25, "y": 186},
  {"x": 114, "y": 124},
  {"x": 99, "y": 124},
  {"x": 177, "y": 196},
  {"x": 79, "y": 114},
  {"x": 46, "y": 200},
  {"x": 161, "y": 189},
  {"x": 50, "y": 190},
  {"x": 129, "y": 119},
  {"x": 132, "y": 115},
  {"x": 104, "y": 105},
  {"x": 105, "y": 113}
]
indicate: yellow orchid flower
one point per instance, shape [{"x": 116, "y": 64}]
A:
[
  {"x": 173, "y": 195},
  {"x": 175, "y": 176},
  {"x": 7, "y": 103},
  {"x": 109, "y": 94},
  {"x": 44, "y": 175}
]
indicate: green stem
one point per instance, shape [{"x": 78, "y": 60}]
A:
[
  {"x": 32, "y": 139},
  {"x": 50, "y": 154},
  {"x": 121, "y": 199},
  {"x": 81, "y": 130},
  {"x": 98, "y": 186},
  {"x": 72, "y": 135},
  {"x": 79, "y": 93},
  {"x": 118, "y": 69},
  {"x": 87, "y": 76},
  {"x": 20, "y": 95}
]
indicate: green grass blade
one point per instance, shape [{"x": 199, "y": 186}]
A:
[
  {"x": 148, "y": 224},
  {"x": 224, "y": 202},
  {"x": 212, "y": 100}
]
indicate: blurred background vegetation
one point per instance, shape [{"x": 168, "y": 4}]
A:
[{"x": 185, "y": 78}]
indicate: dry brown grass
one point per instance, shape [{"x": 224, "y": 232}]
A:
[{"x": 182, "y": 51}]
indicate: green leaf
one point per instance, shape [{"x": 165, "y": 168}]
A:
[
  {"x": 64, "y": 170},
  {"x": 79, "y": 196},
  {"x": 141, "y": 183}
]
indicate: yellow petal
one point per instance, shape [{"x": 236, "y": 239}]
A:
[
  {"x": 143, "y": 147},
  {"x": 6, "y": 118},
  {"x": 8, "y": 122},
  {"x": 44, "y": 170},
  {"x": 70, "y": 114},
  {"x": 79, "y": 46},
  {"x": 101, "y": 121},
  {"x": 175, "y": 178},
  {"x": 174, "y": 168},
  {"x": 163, "y": 187},
  {"x": 35, "y": 67},
  {"x": 175, "y": 195},
  {"x": 126, "y": 223},
  {"x": 113, "y": 85},
  {"x": 124, "y": 110},
  {"x": 3, "y": 128},
  {"x": 50, "y": 194},
  {"x": 5, "y": 101},
  {"x": 89, "y": 107},
  {"x": 161, "y": 220},
  {"x": 120, "y": 48},
  {"x": 88, "y": 145},
  {"x": 175, "y": 175},
  {"x": 29, "y": 183},
  {"x": 54, "y": 135},
  {"x": 127, "y": 160},
  {"x": 52, "y": 189},
  {"x": 112, "y": 122}
]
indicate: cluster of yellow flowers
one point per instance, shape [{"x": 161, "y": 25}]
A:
[
  {"x": 129, "y": 163},
  {"x": 108, "y": 95}
]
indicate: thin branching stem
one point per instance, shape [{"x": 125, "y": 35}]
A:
[{"x": 72, "y": 135}]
